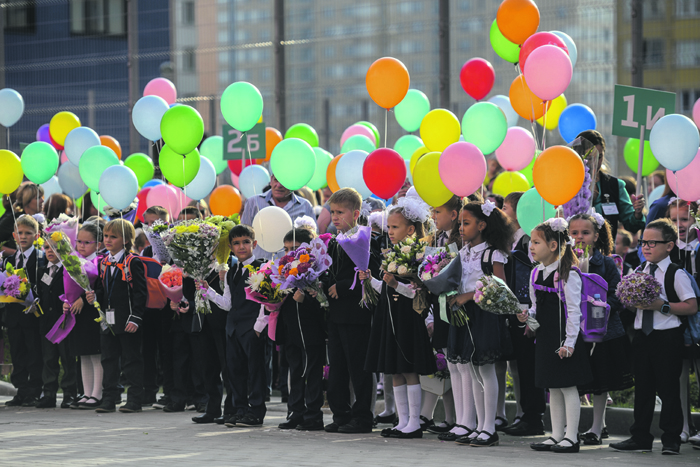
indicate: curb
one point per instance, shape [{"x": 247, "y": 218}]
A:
[{"x": 6, "y": 389}]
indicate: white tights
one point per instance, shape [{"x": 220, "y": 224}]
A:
[
  {"x": 485, "y": 388},
  {"x": 91, "y": 369},
  {"x": 465, "y": 412},
  {"x": 565, "y": 411}
]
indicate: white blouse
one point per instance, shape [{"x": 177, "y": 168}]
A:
[
  {"x": 403, "y": 289},
  {"x": 471, "y": 265}
]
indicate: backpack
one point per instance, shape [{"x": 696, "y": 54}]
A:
[
  {"x": 691, "y": 323},
  {"x": 518, "y": 271},
  {"x": 594, "y": 321},
  {"x": 152, "y": 268}
]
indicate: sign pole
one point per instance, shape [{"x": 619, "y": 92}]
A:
[{"x": 641, "y": 160}]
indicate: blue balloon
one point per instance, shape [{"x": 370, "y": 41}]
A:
[
  {"x": 575, "y": 119},
  {"x": 409, "y": 175},
  {"x": 71, "y": 182},
  {"x": 147, "y": 114},
  {"x": 203, "y": 182},
  {"x": 674, "y": 141},
  {"x": 78, "y": 141},
  {"x": 348, "y": 172},
  {"x": 52, "y": 186},
  {"x": 570, "y": 45},
  {"x": 656, "y": 193},
  {"x": 118, "y": 186},
  {"x": 152, "y": 183},
  {"x": 252, "y": 180},
  {"x": 11, "y": 107}
]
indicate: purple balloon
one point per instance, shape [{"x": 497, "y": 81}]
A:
[{"x": 42, "y": 134}]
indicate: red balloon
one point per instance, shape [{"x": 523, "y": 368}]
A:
[
  {"x": 142, "y": 203},
  {"x": 536, "y": 40},
  {"x": 384, "y": 172},
  {"x": 477, "y": 77},
  {"x": 55, "y": 144},
  {"x": 238, "y": 165}
]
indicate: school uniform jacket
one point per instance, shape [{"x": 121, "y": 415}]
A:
[
  {"x": 49, "y": 297},
  {"x": 14, "y": 312},
  {"x": 128, "y": 302}
]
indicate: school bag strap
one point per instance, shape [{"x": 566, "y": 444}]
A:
[{"x": 487, "y": 260}]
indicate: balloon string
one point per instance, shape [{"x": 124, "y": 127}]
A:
[
  {"x": 386, "y": 121},
  {"x": 544, "y": 126}
]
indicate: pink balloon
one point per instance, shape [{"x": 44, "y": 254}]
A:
[
  {"x": 548, "y": 72},
  {"x": 696, "y": 112},
  {"x": 517, "y": 150},
  {"x": 685, "y": 181},
  {"x": 234, "y": 180},
  {"x": 64, "y": 158},
  {"x": 462, "y": 168},
  {"x": 183, "y": 198},
  {"x": 161, "y": 87},
  {"x": 357, "y": 130},
  {"x": 167, "y": 197}
]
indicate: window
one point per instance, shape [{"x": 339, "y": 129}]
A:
[
  {"x": 264, "y": 35},
  {"x": 242, "y": 36},
  {"x": 188, "y": 13},
  {"x": 465, "y": 5},
  {"x": 224, "y": 78},
  {"x": 224, "y": 58},
  {"x": 687, "y": 98},
  {"x": 653, "y": 53},
  {"x": 685, "y": 8},
  {"x": 98, "y": 17},
  {"x": 20, "y": 18},
  {"x": 265, "y": 74},
  {"x": 410, "y": 7},
  {"x": 688, "y": 54},
  {"x": 223, "y": 36},
  {"x": 189, "y": 60}
]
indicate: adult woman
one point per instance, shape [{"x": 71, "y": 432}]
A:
[
  {"x": 56, "y": 205},
  {"x": 7, "y": 224}
]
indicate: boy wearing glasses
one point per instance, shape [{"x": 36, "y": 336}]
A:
[{"x": 658, "y": 344}]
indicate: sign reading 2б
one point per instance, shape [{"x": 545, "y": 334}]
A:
[
  {"x": 637, "y": 107},
  {"x": 237, "y": 144}
]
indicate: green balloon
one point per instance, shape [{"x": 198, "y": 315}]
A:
[
  {"x": 39, "y": 162},
  {"x": 318, "y": 181},
  {"x": 98, "y": 201},
  {"x": 142, "y": 166},
  {"x": 241, "y": 105},
  {"x": 178, "y": 169},
  {"x": 407, "y": 145},
  {"x": 531, "y": 211},
  {"x": 527, "y": 171},
  {"x": 505, "y": 49},
  {"x": 93, "y": 162},
  {"x": 182, "y": 128},
  {"x": 371, "y": 127},
  {"x": 410, "y": 111},
  {"x": 303, "y": 131},
  {"x": 360, "y": 142},
  {"x": 649, "y": 162},
  {"x": 213, "y": 149},
  {"x": 293, "y": 163},
  {"x": 485, "y": 126}
]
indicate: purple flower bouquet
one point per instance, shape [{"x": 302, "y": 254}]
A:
[
  {"x": 638, "y": 289},
  {"x": 301, "y": 269},
  {"x": 356, "y": 243}
]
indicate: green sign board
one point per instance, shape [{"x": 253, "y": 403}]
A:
[
  {"x": 238, "y": 144},
  {"x": 639, "y": 107}
]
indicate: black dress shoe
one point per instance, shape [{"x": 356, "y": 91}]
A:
[
  {"x": 412, "y": 435},
  {"x": 387, "y": 432},
  {"x": 492, "y": 440},
  {"x": 604, "y": 434},
  {"x": 290, "y": 424},
  {"x": 590, "y": 439},
  {"x": 310, "y": 425},
  {"x": 355, "y": 427},
  {"x": 544, "y": 446},
  {"x": 46, "y": 402},
  {"x": 174, "y": 407},
  {"x": 425, "y": 423},
  {"x": 503, "y": 425},
  {"x": 567, "y": 449},
  {"x": 450, "y": 436},
  {"x": 671, "y": 449},
  {"x": 249, "y": 420},
  {"x": 631, "y": 445},
  {"x": 67, "y": 401},
  {"x": 30, "y": 402},
  {"x": 466, "y": 439},
  {"x": 89, "y": 404},
  {"x": 525, "y": 429},
  {"x": 106, "y": 407},
  {"x": 14, "y": 402},
  {"x": 331, "y": 428},
  {"x": 204, "y": 418},
  {"x": 221, "y": 420},
  {"x": 232, "y": 419},
  {"x": 131, "y": 407},
  {"x": 385, "y": 419},
  {"x": 442, "y": 428}
]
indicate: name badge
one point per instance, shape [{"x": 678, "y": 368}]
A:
[
  {"x": 610, "y": 209},
  {"x": 110, "y": 317},
  {"x": 46, "y": 279}
]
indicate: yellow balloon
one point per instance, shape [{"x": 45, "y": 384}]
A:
[
  {"x": 508, "y": 182},
  {"x": 420, "y": 152},
  {"x": 61, "y": 124},
  {"x": 551, "y": 118},
  {"x": 11, "y": 174},
  {"x": 439, "y": 129},
  {"x": 426, "y": 180}
]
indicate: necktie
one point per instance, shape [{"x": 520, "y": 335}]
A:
[
  {"x": 442, "y": 239},
  {"x": 648, "y": 315},
  {"x": 20, "y": 262},
  {"x": 52, "y": 270},
  {"x": 237, "y": 276}
]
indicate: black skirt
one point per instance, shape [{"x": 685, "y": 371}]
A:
[
  {"x": 84, "y": 339},
  {"x": 611, "y": 365},
  {"x": 485, "y": 338}
]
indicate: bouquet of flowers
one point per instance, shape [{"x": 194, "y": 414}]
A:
[
  {"x": 170, "y": 281},
  {"x": 356, "y": 243},
  {"x": 494, "y": 296},
  {"x": 223, "y": 250},
  {"x": 403, "y": 260},
  {"x": 191, "y": 244},
  {"x": 638, "y": 289},
  {"x": 155, "y": 235},
  {"x": 445, "y": 284},
  {"x": 302, "y": 267},
  {"x": 441, "y": 362},
  {"x": 15, "y": 288},
  {"x": 435, "y": 262},
  {"x": 583, "y": 200},
  {"x": 583, "y": 252},
  {"x": 261, "y": 288}
]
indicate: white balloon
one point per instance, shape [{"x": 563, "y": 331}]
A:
[
  {"x": 348, "y": 172},
  {"x": 78, "y": 141},
  {"x": 51, "y": 187},
  {"x": 203, "y": 182},
  {"x": 11, "y": 107},
  {"x": 504, "y": 103},
  {"x": 252, "y": 180},
  {"x": 271, "y": 224},
  {"x": 570, "y": 44}
]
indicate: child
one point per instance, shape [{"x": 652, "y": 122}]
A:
[
  {"x": 123, "y": 304},
  {"x": 23, "y": 328},
  {"x": 623, "y": 242},
  {"x": 658, "y": 345},
  {"x": 476, "y": 347},
  {"x": 561, "y": 358},
  {"x": 611, "y": 360},
  {"x": 245, "y": 344}
]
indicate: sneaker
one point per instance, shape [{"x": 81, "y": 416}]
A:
[
  {"x": 249, "y": 420},
  {"x": 671, "y": 449},
  {"x": 630, "y": 445},
  {"x": 162, "y": 402},
  {"x": 130, "y": 407},
  {"x": 174, "y": 407}
]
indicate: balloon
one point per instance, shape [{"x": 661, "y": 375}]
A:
[
  {"x": 69, "y": 179},
  {"x": 271, "y": 224},
  {"x": 51, "y": 187},
  {"x": 407, "y": 145},
  {"x": 517, "y": 149},
  {"x": 409, "y": 175},
  {"x": 357, "y": 129},
  {"x": 685, "y": 181},
  {"x": 527, "y": 171},
  {"x": 55, "y": 144},
  {"x": 143, "y": 204},
  {"x": 348, "y": 172},
  {"x": 182, "y": 128},
  {"x": 505, "y": 49},
  {"x": 570, "y": 46},
  {"x": 119, "y": 186},
  {"x": 11, "y": 174},
  {"x": 477, "y": 77},
  {"x": 439, "y": 129},
  {"x": 411, "y": 110},
  {"x": 371, "y": 127},
  {"x": 111, "y": 143},
  {"x": 533, "y": 210},
  {"x": 427, "y": 181},
  {"x": 11, "y": 107},
  {"x": 163, "y": 88},
  {"x": 142, "y": 166},
  {"x": 674, "y": 140},
  {"x": 387, "y": 82},
  {"x": 548, "y": 72},
  {"x": 518, "y": 19},
  {"x": 241, "y": 105},
  {"x": 39, "y": 162},
  {"x": 178, "y": 169},
  {"x": 61, "y": 124},
  {"x": 649, "y": 162},
  {"x": 96, "y": 160},
  {"x": 293, "y": 163},
  {"x": 42, "y": 134},
  {"x": 272, "y": 138},
  {"x": 415, "y": 157},
  {"x": 304, "y": 132},
  {"x": 524, "y": 101},
  {"x": 575, "y": 119},
  {"x": 152, "y": 183},
  {"x": 166, "y": 197},
  {"x": 536, "y": 41},
  {"x": 558, "y": 174},
  {"x": 656, "y": 193},
  {"x": 462, "y": 168},
  {"x": 225, "y": 200},
  {"x": 203, "y": 182},
  {"x": 147, "y": 114},
  {"x": 98, "y": 201},
  {"x": 550, "y": 120},
  {"x": 330, "y": 174},
  {"x": 323, "y": 159},
  {"x": 508, "y": 182},
  {"x": 696, "y": 112},
  {"x": 360, "y": 142},
  {"x": 237, "y": 165},
  {"x": 485, "y": 125},
  {"x": 384, "y": 172},
  {"x": 78, "y": 140},
  {"x": 212, "y": 148},
  {"x": 503, "y": 102},
  {"x": 253, "y": 180}
]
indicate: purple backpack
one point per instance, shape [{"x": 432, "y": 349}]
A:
[{"x": 595, "y": 310}]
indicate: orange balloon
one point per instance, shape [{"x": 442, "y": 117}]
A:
[
  {"x": 272, "y": 137},
  {"x": 525, "y": 102},
  {"x": 112, "y": 144},
  {"x": 558, "y": 174},
  {"x": 330, "y": 174},
  {"x": 225, "y": 201},
  {"x": 387, "y": 82},
  {"x": 518, "y": 19}
]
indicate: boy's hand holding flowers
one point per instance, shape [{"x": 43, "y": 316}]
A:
[
  {"x": 90, "y": 296},
  {"x": 299, "y": 296}
]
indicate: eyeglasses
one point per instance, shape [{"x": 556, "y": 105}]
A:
[
  {"x": 652, "y": 243},
  {"x": 80, "y": 242}
]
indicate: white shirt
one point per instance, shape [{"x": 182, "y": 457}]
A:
[
  {"x": 471, "y": 265},
  {"x": 403, "y": 289},
  {"x": 114, "y": 259},
  {"x": 572, "y": 294},
  {"x": 683, "y": 288},
  {"x": 690, "y": 247},
  {"x": 517, "y": 236},
  {"x": 26, "y": 255}
]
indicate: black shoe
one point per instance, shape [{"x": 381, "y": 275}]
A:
[
  {"x": 386, "y": 419},
  {"x": 525, "y": 429},
  {"x": 604, "y": 434},
  {"x": 162, "y": 402},
  {"x": 221, "y": 420},
  {"x": 130, "y": 407},
  {"x": 174, "y": 407},
  {"x": 200, "y": 407},
  {"x": 46, "y": 402},
  {"x": 412, "y": 435},
  {"x": 290, "y": 424},
  {"x": 89, "y": 404},
  {"x": 310, "y": 425},
  {"x": 590, "y": 439},
  {"x": 503, "y": 425},
  {"x": 450, "y": 436},
  {"x": 492, "y": 440},
  {"x": 425, "y": 423},
  {"x": 331, "y": 428},
  {"x": 14, "y": 402},
  {"x": 572, "y": 448},
  {"x": 437, "y": 429},
  {"x": 106, "y": 407},
  {"x": 204, "y": 418},
  {"x": 671, "y": 449},
  {"x": 355, "y": 427},
  {"x": 75, "y": 404},
  {"x": 387, "y": 432},
  {"x": 630, "y": 445},
  {"x": 249, "y": 420},
  {"x": 232, "y": 419},
  {"x": 543, "y": 446},
  {"x": 466, "y": 439},
  {"x": 66, "y": 402},
  {"x": 30, "y": 402}
]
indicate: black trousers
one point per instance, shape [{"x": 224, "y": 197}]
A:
[
  {"x": 150, "y": 326},
  {"x": 49, "y": 375},
  {"x": 165, "y": 348},
  {"x": 532, "y": 399},
  {"x": 27, "y": 364},
  {"x": 347, "y": 350},
  {"x": 282, "y": 370},
  {"x": 245, "y": 356},
  {"x": 216, "y": 371},
  {"x": 306, "y": 381},
  {"x": 124, "y": 348},
  {"x": 188, "y": 370},
  {"x": 658, "y": 362}
]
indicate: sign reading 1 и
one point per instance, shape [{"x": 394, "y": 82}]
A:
[
  {"x": 237, "y": 144},
  {"x": 637, "y": 109}
]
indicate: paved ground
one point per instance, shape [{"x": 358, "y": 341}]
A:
[{"x": 56, "y": 437}]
